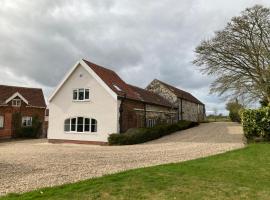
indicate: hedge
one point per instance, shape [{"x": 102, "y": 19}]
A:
[
  {"x": 256, "y": 122},
  {"x": 141, "y": 135}
]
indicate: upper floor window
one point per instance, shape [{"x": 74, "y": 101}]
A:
[
  {"x": 1, "y": 121},
  {"x": 26, "y": 121},
  {"x": 16, "y": 102},
  {"x": 80, "y": 124},
  {"x": 81, "y": 94}
]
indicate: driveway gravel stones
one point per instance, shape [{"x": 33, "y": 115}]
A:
[{"x": 31, "y": 164}]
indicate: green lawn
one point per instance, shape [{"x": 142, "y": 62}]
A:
[{"x": 240, "y": 174}]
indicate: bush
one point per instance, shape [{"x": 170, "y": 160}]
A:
[
  {"x": 27, "y": 132},
  {"x": 256, "y": 123},
  {"x": 141, "y": 135}
]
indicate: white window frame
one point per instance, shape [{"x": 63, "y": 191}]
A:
[
  {"x": 16, "y": 102},
  {"x": 2, "y": 121},
  {"x": 27, "y": 119},
  {"x": 151, "y": 123},
  {"x": 84, "y": 91},
  {"x": 76, "y": 125}
]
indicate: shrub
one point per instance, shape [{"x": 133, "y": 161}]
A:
[
  {"x": 256, "y": 123},
  {"x": 27, "y": 132},
  {"x": 140, "y": 135}
]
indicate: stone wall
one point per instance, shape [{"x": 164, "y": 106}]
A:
[
  {"x": 158, "y": 88},
  {"x": 190, "y": 111}
]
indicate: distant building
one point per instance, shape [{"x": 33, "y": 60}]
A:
[{"x": 28, "y": 102}]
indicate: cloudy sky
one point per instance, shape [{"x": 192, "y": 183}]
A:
[{"x": 141, "y": 40}]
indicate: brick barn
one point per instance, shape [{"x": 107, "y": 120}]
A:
[{"x": 28, "y": 102}]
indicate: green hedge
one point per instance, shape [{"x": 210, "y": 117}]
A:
[
  {"x": 140, "y": 135},
  {"x": 256, "y": 123}
]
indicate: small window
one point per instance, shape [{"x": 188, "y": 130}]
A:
[
  {"x": 81, "y": 94},
  {"x": 86, "y": 94},
  {"x": 80, "y": 124},
  {"x": 151, "y": 123},
  {"x": 86, "y": 125},
  {"x": 1, "y": 121},
  {"x": 118, "y": 88},
  {"x": 16, "y": 102},
  {"x": 75, "y": 94},
  {"x": 67, "y": 125},
  {"x": 93, "y": 125},
  {"x": 73, "y": 124},
  {"x": 26, "y": 121}
]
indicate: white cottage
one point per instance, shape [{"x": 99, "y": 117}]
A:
[{"x": 92, "y": 102}]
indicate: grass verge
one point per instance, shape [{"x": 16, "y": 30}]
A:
[{"x": 240, "y": 174}]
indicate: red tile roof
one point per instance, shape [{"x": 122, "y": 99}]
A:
[
  {"x": 181, "y": 93},
  {"x": 113, "y": 81},
  {"x": 34, "y": 96},
  {"x": 122, "y": 89}
]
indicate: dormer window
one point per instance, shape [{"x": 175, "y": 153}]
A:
[
  {"x": 81, "y": 94},
  {"x": 16, "y": 103}
]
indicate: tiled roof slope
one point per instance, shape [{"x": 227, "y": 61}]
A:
[
  {"x": 113, "y": 81},
  {"x": 150, "y": 97},
  {"x": 181, "y": 93},
  {"x": 34, "y": 96},
  {"x": 121, "y": 88}
]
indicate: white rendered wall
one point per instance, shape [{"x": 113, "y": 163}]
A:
[{"x": 102, "y": 107}]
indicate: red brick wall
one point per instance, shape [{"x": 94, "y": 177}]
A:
[{"x": 7, "y": 112}]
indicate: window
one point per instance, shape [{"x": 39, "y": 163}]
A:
[
  {"x": 81, "y": 94},
  {"x": 26, "y": 121},
  {"x": 80, "y": 125},
  {"x": 93, "y": 125},
  {"x": 151, "y": 123},
  {"x": 1, "y": 121},
  {"x": 16, "y": 102},
  {"x": 116, "y": 87}
]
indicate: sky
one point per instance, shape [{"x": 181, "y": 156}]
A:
[{"x": 141, "y": 40}]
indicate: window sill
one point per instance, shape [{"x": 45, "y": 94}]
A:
[
  {"x": 81, "y": 100},
  {"x": 73, "y": 132}
]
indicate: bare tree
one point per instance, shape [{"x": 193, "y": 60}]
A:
[{"x": 239, "y": 56}]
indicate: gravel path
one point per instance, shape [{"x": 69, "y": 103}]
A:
[{"x": 30, "y": 164}]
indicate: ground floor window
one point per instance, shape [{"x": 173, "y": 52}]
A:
[
  {"x": 1, "y": 121},
  {"x": 80, "y": 124},
  {"x": 151, "y": 123},
  {"x": 26, "y": 121}
]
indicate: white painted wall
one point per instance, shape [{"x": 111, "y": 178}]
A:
[{"x": 102, "y": 106}]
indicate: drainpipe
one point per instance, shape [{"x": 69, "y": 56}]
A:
[{"x": 121, "y": 109}]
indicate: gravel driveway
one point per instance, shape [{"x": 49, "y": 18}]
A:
[{"x": 30, "y": 164}]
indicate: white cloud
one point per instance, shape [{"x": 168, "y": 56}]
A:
[{"x": 142, "y": 40}]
